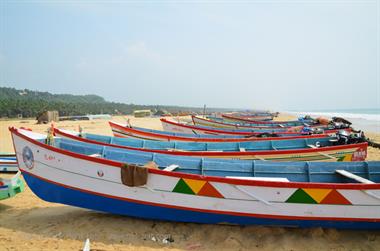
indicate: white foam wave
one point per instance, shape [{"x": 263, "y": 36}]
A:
[
  {"x": 362, "y": 121},
  {"x": 370, "y": 117}
]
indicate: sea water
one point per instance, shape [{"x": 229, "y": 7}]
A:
[{"x": 361, "y": 119}]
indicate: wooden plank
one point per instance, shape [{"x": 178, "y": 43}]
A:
[
  {"x": 350, "y": 175},
  {"x": 255, "y": 156},
  {"x": 175, "y": 150},
  {"x": 96, "y": 155},
  {"x": 259, "y": 157},
  {"x": 278, "y": 179},
  {"x": 324, "y": 154},
  {"x": 171, "y": 168},
  {"x": 327, "y": 155},
  {"x": 87, "y": 245},
  {"x": 253, "y": 195}
]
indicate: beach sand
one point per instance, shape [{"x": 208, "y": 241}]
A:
[{"x": 29, "y": 223}]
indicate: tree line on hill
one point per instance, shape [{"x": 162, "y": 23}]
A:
[{"x": 28, "y": 103}]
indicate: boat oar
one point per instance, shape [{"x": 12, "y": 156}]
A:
[
  {"x": 323, "y": 154},
  {"x": 360, "y": 180},
  {"x": 373, "y": 144},
  {"x": 258, "y": 157},
  {"x": 355, "y": 177},
  {"x": 87, "y": 245},
  {"x": 252, "y": 195}
]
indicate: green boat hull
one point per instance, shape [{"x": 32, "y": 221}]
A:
[{"x": 9, "y": 190}]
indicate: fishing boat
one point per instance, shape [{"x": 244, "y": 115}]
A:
[
  {"x": 127, "y": 131},
  {"x": 313, "y": 149},
  {"x": 216, "y": 123},
  {"x": 8, "y": 162},
  {"x": 11, "y": 187},
  {"x": 265, "y": 116},
  {"x": 226, "y": 125},
  {"x": 267, "y": 125},
  {"x": 220, "y": 123},
  {"x": 212, "y": 191},
  {"x": 172, "y": 126},
  {"x": 237, "y": 119},
  {"x": 257, "y": 117}
]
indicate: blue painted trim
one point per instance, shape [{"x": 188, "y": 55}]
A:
[{"x": 59, "y": 194}]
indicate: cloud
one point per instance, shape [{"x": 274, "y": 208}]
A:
[
  {"x": 139, "y": 50},
  {"x": 82, "y": 64}
]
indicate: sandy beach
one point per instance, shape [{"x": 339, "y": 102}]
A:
[{"x": 28, "y": 223}]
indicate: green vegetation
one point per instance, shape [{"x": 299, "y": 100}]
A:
[{"x": 27, "y": 103}]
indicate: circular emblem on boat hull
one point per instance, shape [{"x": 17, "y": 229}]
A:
[{"x": 27, "y": 157}]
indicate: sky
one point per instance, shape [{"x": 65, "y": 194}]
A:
[{"x": 279, "y": 55}]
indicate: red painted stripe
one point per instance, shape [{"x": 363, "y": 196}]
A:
[
  {"x": 7, "y": 163},
  {"x": 205, "y": 210},
  {"x": 353, "y": 186}
]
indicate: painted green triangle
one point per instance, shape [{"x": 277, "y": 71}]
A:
[
  {"x": 300, "y": 196},
  {"x": 340, "y": 158},
  {"x": 182, "y": 187}
]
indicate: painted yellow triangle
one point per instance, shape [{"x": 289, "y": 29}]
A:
[
  {"x": 347, "y": 157},
  {"x": 195, "y": 185},
  {"x": 318, "y": 194}
]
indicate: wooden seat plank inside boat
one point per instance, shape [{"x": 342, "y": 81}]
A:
[{"x": 171, "y": 167}]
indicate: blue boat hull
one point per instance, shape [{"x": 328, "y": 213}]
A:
[{"x": 59, "y": 194}]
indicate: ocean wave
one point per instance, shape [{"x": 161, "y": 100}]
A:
[{"x": 370, "y": 117}]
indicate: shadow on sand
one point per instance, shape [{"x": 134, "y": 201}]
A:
[
  {"x": 4, "y": 207},
  {"x": 64, "y": 222}
]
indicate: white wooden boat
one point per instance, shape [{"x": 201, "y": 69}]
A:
[
  {"x": 8, "y": 163},
  {"x": 340, "y": 195}
]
